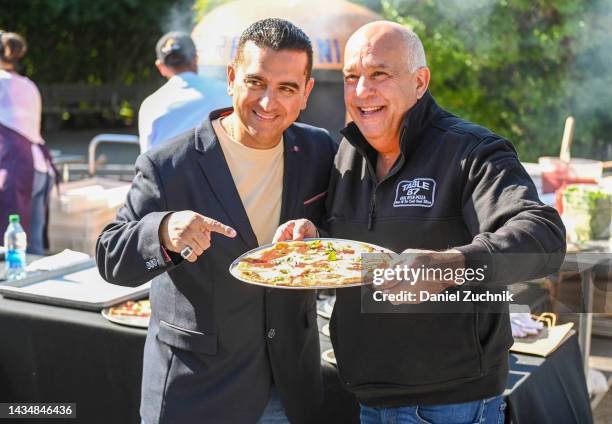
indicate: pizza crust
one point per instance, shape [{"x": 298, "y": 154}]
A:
[{"x": 305, "y": 264}]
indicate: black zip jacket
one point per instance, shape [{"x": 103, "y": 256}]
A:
[{"x": 474, "y": 196}]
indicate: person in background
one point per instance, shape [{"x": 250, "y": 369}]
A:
[
  {"x": 26, "y": 169},
  {"x": 185, "y": 100}
]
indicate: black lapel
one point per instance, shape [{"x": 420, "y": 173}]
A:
[
  {"x": 291, "y": 177},
  {"x": 217, "y": 172}
]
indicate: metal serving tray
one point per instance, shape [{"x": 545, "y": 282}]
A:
[{"x": 77, "y": 286}]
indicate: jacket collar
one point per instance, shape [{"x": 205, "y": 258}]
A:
[
  {"x": 213, "y": 165},
  {"x": 415, "y": 120},
  {"x": 205, "y": 137}
]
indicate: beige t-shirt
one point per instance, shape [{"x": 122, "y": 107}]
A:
[{"x": 258, "y": 176}]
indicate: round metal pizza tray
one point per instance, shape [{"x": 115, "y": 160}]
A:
[
  {"x": 139, "y": 322},
  {"x": 329, "y": 356},
  {"x": 325, "y": 330},
  {"x": 235, "y": 273}
]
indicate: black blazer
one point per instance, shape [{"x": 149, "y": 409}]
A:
[{"x": 215, "y": 344}]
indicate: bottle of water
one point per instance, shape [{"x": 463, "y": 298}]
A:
[{"x": 15, "y": 243}]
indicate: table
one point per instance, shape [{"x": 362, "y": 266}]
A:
[
  {"x": 539, "y": 390},
  {"x": 54, "y": 354},
  {"x": 584, "y": 263},
  {"x": 553, "y": 391}
]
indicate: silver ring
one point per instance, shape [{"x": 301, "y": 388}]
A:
[{"x": 186, "y": 252}]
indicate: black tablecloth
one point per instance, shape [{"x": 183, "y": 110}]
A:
[
  {"x": 555, "y": 390},
  {"x": 54, "y": 354},
  {"x": 539, "y": 390}
]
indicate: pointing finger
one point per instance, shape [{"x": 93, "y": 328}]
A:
[{"x": 209, "y": 224}]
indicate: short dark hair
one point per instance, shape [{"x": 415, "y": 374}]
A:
[{"x": 276, "y": 34}]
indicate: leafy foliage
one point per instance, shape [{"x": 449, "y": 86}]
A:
[
  {"x": 94, "y": 42},
  {"x": 519, "y": 67},
  {"x": 202, "y": 7}
]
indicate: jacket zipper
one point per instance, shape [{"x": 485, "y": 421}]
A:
[
  {"x": 372, "y": 208},
  {"x": 378, "y": 183}
]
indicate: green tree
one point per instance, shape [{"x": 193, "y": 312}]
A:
[
  {"x": 110, "y": 41},
  {"x": 202, "y": 7},
  {"x": 519, "y": 67}
]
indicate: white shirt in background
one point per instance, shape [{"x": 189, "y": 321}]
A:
[{"x": 182, "y": 103}]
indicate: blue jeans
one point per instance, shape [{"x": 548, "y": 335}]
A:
[
  {"x": 488, "y": 411},
  {"x": 274, "y": 412},
  {"x": 41, "y": 185}
]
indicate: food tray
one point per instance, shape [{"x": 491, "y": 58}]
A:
[{"x": 234, "y": 271}]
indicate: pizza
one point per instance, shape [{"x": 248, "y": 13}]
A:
[
  {"x": 131, "y": 313},
  {"x": 307, "y": 264},
  {"x": 141, "y": 309}
]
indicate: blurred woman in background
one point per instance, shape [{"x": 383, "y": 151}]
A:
[{"x": 25, "y": 164}]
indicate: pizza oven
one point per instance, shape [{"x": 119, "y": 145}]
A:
[{"x": 328, "y": 23}]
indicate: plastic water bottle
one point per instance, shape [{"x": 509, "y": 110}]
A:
[{"x": 15, "y": 243}]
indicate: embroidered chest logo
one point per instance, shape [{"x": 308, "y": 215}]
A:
[{"x": 419, "y": 192}]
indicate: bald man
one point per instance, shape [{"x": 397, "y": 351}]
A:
[{"x": 410, "y": 175}]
